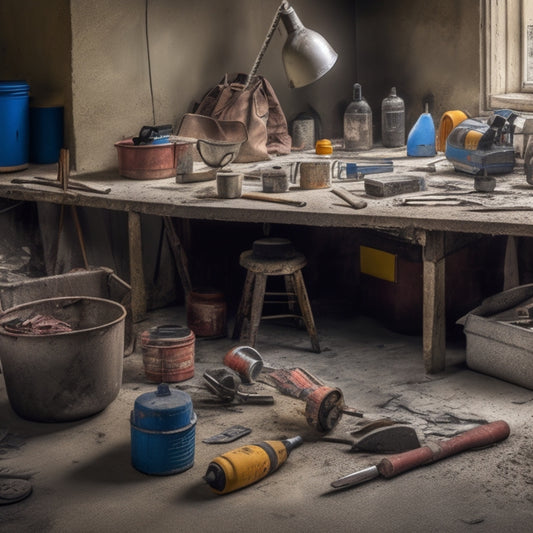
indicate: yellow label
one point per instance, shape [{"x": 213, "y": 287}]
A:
[
  {"x": 472, "y": 139},
  {"x": 377, "y": 263}
]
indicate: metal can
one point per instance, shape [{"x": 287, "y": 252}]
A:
[
  {"x": 206, "y": 313},
  {"x": 163, "y": 427},
  {"x": 168, "y": 353}
]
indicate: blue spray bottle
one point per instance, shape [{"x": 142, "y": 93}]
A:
[{"x": 421, "y": 139}]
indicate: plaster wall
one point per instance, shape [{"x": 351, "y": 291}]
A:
[
  {"x": 93, "y": 57},
  {"x": 423, "y": 47},
  {"x": 191, "y": 46},
  {"x": 35, "y": 41}
]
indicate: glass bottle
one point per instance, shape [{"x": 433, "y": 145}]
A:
[
  {"x": 392, "y": 120},
  {"x": 358, "y": 122}
]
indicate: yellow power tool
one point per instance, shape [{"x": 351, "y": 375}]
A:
[{"x": 245, "y": 465}]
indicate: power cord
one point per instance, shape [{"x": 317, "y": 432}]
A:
[{"x": 149, "y": 60}]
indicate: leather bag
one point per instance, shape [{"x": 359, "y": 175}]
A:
[{"x": 257, "y": 107}]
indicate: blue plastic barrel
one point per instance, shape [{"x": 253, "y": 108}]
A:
[
  {"x": 46, "y": 134},
  {"x": 14, "y": 125},
  {"x": 163, "y": 430}
]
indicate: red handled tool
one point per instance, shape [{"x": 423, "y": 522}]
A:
[{"x": 397, "y": 464}]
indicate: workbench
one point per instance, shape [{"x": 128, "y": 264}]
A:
[{"x": 510, "y": 213}]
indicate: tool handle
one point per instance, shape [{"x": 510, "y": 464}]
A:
[
  {"x": 349, "y": 198},
  {"x": 477, "y": 437},
  {"x": 266, "y": 198}
]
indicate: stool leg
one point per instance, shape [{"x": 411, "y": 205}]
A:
[
  {"x": 257, "y": 306},
  {"x": 291, "y": 293},
  {"x": 244, "y": 305},
  {"x": 305, "y": 307}
]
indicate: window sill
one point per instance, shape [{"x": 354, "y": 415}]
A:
[{"x": 514, "y": 101}]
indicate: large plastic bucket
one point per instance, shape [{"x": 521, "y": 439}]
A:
[{"x": 14, "y": 125}]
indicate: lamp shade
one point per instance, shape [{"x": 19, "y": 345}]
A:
[{"x": 307, "y": 56}]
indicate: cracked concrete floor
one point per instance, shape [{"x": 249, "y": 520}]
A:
[{"x": 83, "y": 480}]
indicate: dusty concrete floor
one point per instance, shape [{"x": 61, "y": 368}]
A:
[{"x": 83, "y": 480}]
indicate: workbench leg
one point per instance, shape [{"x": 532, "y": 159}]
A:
[
  {"x": 434, "y": 308},
  {"x": 138, "y": 289}
]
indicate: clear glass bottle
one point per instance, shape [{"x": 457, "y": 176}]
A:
[
  {"x": 358, "y": 122},
  {"x": 392, "y": 120}
]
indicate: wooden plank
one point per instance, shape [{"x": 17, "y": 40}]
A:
[
  {"x": 434, "y": 307},
  {"x": 179, "y": 255},
  {"x": 138, "y": 289}
]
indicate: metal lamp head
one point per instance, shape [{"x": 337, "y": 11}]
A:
[{"x": 307, "y": 56}]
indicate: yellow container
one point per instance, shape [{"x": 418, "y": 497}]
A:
[{"x": 323, "y": 147}]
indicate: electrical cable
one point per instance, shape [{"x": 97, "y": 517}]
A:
[{"x": 149, "y": 60}]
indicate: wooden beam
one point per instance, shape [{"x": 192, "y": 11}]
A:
[
  {"x": 434, "y": 308},
  {"x": 138, "y": 289}
]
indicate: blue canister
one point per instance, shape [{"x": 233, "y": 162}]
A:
[
  {"x": 14, "y": 125},
  {"x": 46, "y": 133},
  {"x": 163, "y": 426}
]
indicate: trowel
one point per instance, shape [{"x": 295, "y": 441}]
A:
[{"x": 377, "y": 436}]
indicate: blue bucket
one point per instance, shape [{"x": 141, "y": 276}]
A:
[
  {"x": 14, "y": 125},
  {"x": 163, "y": 427},
  {"x": 46, "y": 134}
]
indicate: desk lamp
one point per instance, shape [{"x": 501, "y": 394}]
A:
[{"x": 307, "y": 56}]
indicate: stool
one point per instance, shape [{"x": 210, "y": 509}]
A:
[{"x": 249, "y": 313}]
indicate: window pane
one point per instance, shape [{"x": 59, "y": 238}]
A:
[{"x": 527, "y": 45}]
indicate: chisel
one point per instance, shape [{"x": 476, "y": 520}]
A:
[{"x": 402, "y": 462}]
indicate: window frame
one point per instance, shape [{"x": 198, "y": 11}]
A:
[{"x": 503, "y": 35}]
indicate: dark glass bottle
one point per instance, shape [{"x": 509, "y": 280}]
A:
[
  {"x": 392, "y": 120},
  {"x": 358, "y": 122}
]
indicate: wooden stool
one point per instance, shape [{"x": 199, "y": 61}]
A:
[{"x": 250, "y": 310}]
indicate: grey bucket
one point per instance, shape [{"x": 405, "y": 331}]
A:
[{"x": 64, "y": 376}]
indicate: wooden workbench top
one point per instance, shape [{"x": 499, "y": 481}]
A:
[{"x": 199, "y": 200}]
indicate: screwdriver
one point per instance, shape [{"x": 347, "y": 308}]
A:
[{"x": 243, "y": 466}]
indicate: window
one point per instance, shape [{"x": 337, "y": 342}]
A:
[
  {"x": 508, "y": 53},
  {"x": 527, "y": 45}
]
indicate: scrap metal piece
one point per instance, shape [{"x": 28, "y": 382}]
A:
[
  {"x": 226, "y": 383},
  {"x": 14, "y": 490},
  {"x": 228, "y": 435}
]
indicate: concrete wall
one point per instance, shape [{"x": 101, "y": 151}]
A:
[
  {"x": 422, "y": 47},
  {"x": 35, "y": 41},
  {"x": 192, "y": 45},
  {"x": 93, "y": 56}
]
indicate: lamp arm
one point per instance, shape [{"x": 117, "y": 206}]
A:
[{"x": 283, "y": 6}]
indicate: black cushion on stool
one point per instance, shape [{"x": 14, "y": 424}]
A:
[{"x": 273, "y": 248}]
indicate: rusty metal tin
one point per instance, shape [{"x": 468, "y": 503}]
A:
[
  {"x": 206, "y": 313},
  {"x": 168, "y": 353},
  {"x": 246, "y": 361}
]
